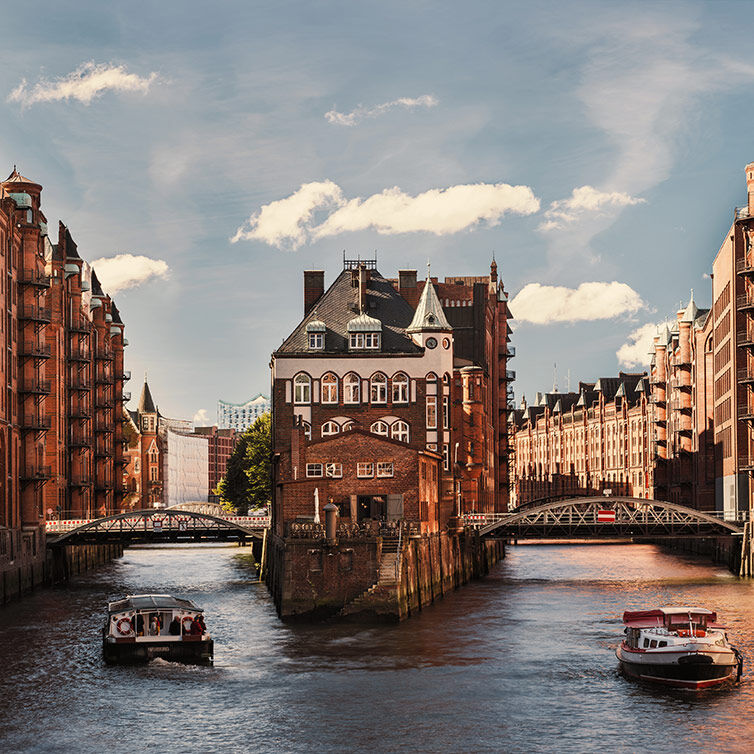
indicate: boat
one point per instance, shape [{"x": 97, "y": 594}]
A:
[
  {"x": 143, "y": 627},
  {"x": 683, "y": 647}
]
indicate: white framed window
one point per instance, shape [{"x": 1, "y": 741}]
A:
[
  {"x": 351, "y": 388},
  {"x": 302, "y": 388},
  {"x": 445, "y": 412},
  {"x": 384, "y": 469},
  {"x": 346, "y": 426},
  {"x": 379, "y": 428},
  {"x": 329, "y": 389},
  {"x": 400, "y": 388},
  {"x": 313, "y": 469},
  {"x": 334, "y": 470},
  {"x": 364, "y": 470},
  {"x": 378, "y": 390},
  {"x": 316, "y": 341},
  {"x": 330, "y": 428},
  {"x": 399, "y": 431},
  {"x": 364, "y": 340},
  {"x": 307, "y": 430},
  {"x": 445, "y": 458},
  {"x": 431, "y": 412}
]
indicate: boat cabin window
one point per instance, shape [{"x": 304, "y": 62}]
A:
[
  {"x": 653, "y": 644},
  {"x": 646, "y": 643},
  {"x": 663, "y": 644},
  {"x": 633, "y": 637}
]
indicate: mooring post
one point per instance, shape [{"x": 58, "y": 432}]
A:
[{"x": 263, "y": 559}]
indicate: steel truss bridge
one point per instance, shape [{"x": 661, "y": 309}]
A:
[
  {"x": 603, "y": 517},
  {"x": 156, "y": 525}
]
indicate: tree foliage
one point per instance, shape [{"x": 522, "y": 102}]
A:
[{"x": 247, "y": 483}]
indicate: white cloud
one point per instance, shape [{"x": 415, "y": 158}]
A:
[
  {"x": 583, "y": 200},
  {"x": 290, "y": 222},
  {"x": 87, "y": 82},
  {"x": 635, "y": 351},
  {"x": 361, "y": 112},
  {"x": 127, "y": 271},
  {"x": 201, "y": 418},
  {"x": 544, "y": 304}
]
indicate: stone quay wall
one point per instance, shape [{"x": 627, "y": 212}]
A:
[
  {"x": 310, "y": 579},
  {"x": 722, "y": 550},
  {"x": 51, "y": 566}
]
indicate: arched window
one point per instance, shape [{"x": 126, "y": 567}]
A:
[
  {"x": 379, "y": 388},
  {"x": 431, "y": 377},
  {"x": 379, "y": 428},
  {"x": 399, "y": 431},
  {"x": 329, "y": 388},
  {"x": 302, "y": 388},
  {"x": 330, "y": 428},
  {"x": 400, "y": 388},
  {"x": 307, "y": 430},
  {"x": 346, "y": 426},
  {"x": 351, "y": 391}
]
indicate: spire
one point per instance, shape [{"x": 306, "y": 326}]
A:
[
  {"x": 146, "y": 404},
  {"x": 692, "y": 312},
  {"x": 429, "y": 313}
]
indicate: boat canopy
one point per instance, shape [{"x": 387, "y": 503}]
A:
[
  {"x": 151, "y": 602},
  {"x": 656, "y": 617}
]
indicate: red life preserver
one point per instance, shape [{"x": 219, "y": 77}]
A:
[
  {"x": 123, "y": 626},
  {"x": 186, "y": 627}
]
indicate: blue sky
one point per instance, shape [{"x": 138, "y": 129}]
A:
[{"x": 219, "y": 151}]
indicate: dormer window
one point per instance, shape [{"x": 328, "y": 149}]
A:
[
  {"x": 364, "y": 333},
  {"x": 315, "y": 333}
]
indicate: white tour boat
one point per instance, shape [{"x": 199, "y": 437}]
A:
[
  {"x": 678, "y": 646},
  {"x": 142, "y": 627}
]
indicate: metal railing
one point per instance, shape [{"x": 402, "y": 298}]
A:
[
  {"x": 39, "y": 350},
  {"x": 40, "y": 387},
  {"x": 32, "y": 277},
  {"x": 36, "y": 313}
]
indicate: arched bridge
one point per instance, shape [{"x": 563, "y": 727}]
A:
[
  {"x": 603, "y": 517},
  {"x": 160, "y": 525}
]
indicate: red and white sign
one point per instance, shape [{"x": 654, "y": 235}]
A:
[{"x": 605, "y": 517}]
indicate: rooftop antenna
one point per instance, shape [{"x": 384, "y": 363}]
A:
[{"x": 429, "y": 276}]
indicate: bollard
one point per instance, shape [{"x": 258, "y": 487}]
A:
[{"x": 331, "y": 522}]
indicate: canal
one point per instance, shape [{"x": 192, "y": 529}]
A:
[{"x": 519, "y": 662}]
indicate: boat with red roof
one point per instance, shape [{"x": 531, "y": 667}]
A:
[{"x": 678, "y": 646}]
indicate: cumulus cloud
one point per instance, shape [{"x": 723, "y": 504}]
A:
[
  {"x": 201, "y": 418},
  {"x": 290, "y": 222},
  {"x": 362, "y": 112},
  {"x": 544, "y": 304},
  {"x": 639, "y": 344},
  {"x": 127, "y": 271},
  {"x": 584, "y": 200},
  {"x": 87, "y": 82}
]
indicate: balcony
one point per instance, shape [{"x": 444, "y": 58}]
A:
[
  {"x": 35, "y": 350},
  {"x": 103, "y": 486},
  {"x": 103, "y": 379},
  {"x": 657, "y": 400},
  {"x": 80, "y": 480},
  {"x": 36, "y": 423},
  {"x": 36, "y": 387},
  {"x": 32, "y": 277},
  {"x": 744, "y": 340},
  {"x": 511, "y": 351},
  {"x": 36, "y": 474},
  {"x": 79, "y": 384},
  {"x": 741, "y": 213},
  {"x": 34, "y": 313},
  {"x": 79, "y": 354},
  {"x": 103, "y": 452},
  {"x": 104, "y": 426},
  {"x": 126, "y": 397},
  {"x": 79, "y": 413},
  {"x": 126, "y": 376},
  {"x": 79, "y": 325},
  {"x": 104, "y": 354},
  {"x": 746, "y": 413},
  {"x": 745, "y": 302},
  {"x": 746, "y": 376},
  {"x": 80, "y": 441},
  {"x": 104, "y": 401}
]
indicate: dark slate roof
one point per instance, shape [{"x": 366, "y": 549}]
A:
[
  {"x": 339, "y": 304},
  {"x": 116, "y": 314},
  {"x": 146, "y": 404},
  {"x": 96, "y": 287},
  {"x": 71, "y": 249}
]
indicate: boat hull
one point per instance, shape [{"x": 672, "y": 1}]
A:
[
  {"x": 689, "y": 671},
  {"x": 196, "y": 652}
]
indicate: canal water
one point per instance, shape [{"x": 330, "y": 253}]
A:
[{"x": 521, "y": 661}]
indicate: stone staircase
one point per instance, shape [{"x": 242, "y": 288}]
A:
[{"x": 385, "y": 589}]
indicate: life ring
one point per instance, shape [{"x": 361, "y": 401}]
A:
[
  {"x": 187, "y": 627},
  {"x": 123, "y": 626}
]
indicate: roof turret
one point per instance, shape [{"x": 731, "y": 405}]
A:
[
  {"x": 692, "y": 310},
  {"x": 146, "y": 404},
  {"x": 429, "y": 313}
]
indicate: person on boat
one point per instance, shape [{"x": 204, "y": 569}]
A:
[
  {"x": 200, "y": 620},
  {"x": 174, "y": 629},
  {"x": 154, "y": 626},
  {"x": 196, "y": 627},
  {"x": 139, "y": 624}
]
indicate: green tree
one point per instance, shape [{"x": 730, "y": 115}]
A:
[{"x": 247, "y": 482}]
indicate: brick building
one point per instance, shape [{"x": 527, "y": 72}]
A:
[
  {"x": 220, "y": 444},
  {"x": 62, "y": 372},
  {"x": 387, "y": 401}
]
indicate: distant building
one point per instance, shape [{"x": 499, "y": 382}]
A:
[
  {"x": 240, "y": 416},
  {"x": 185, "y": 468},
  {"x": 221, "y": 443}
]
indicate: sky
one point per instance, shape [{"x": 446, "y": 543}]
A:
[{"x": 203, "y": 157}]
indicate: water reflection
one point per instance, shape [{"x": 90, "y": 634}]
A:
[{"x": 521, "y": 661}]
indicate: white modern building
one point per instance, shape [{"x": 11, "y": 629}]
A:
[
  {"x": 185, "y": 469},
  {"x": 240, "y": 416}
]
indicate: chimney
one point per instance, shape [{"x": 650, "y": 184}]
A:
[
  {"x": 750, "y": 186},
  {"x": 363, "y": 278},
  {"x": 406, "y": 280},
  {"x": 314, "y": 287}
]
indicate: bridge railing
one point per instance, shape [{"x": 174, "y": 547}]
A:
[{"x": 155, "y": 522}]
